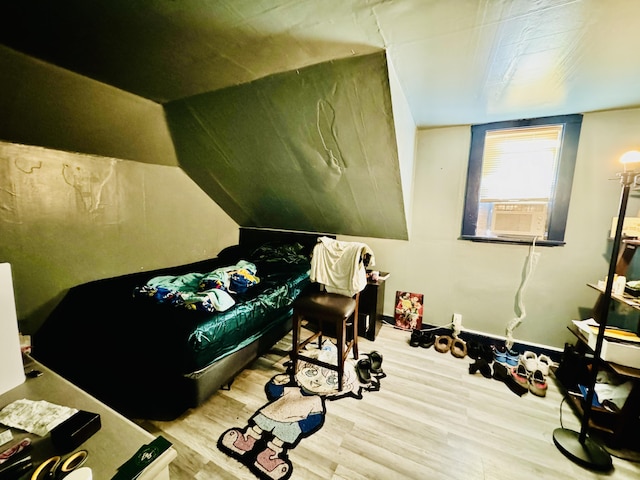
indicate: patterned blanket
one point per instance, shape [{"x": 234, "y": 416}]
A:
[{"x": 207, "y": 292}]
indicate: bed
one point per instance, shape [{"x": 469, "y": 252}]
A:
[{"x": 125, "y": 341}]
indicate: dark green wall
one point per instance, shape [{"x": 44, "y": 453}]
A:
[{"x": 313, "y": 149}]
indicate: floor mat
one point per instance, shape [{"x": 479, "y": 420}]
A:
[{"x": 295, "y": 409}]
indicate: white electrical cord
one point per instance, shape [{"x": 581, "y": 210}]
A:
[{"x": 531, "y": 262}]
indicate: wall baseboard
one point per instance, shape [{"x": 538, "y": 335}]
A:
[{"x": 487, "y": 339}]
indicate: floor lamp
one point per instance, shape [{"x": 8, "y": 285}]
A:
[{"x": 578, "y": 446}]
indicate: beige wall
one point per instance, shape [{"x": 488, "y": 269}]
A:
[
  {"x": 480, "y": 280},
  {"x": 70, "y": 218}
]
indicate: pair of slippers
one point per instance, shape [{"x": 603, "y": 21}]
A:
[
  {"x": 366, "y": 366},
  {"x": 457, "y": 346}
]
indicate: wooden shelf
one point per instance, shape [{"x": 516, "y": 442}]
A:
[
  {"x": 630, "y": 300},
  {"x": 619, "y": 369},
  {"x": 600, "y": 418}
]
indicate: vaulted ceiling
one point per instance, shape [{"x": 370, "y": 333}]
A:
[{"x": 455, "y": 62}]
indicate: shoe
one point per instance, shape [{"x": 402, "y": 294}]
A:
[
  {"x": 458, "y": 348},
  {"x": 416, "y": 336},
  {"x": 427, "y": 339},
  {"x": 482, "y": 366},
  {"x": 538, "y": 384},
  {"x": 238, "y": 441},
  {"x": 530, "y": 361},
  {"x": 520, "y": 375},
  {"x": 500, "y": 354},
  {"x": 473, "y": 349},
  {"x": 544, "y": 362},
  {"x": 486, "y": 352},
  {"x": 269, "y": 462},
  {"x": 502, "y": 374},
  {"x": 512, "y": 357},
  {"x": 363, "y": 369},
  {"x": 443, "y": 343},
  {"x": 376, "y": 361}
]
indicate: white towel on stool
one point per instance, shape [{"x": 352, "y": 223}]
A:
[{"x": 337, "y": 265}]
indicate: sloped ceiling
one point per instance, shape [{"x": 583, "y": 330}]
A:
[
  {"x": 311, "y": 150},
  {"x": 457, "y": 62}
]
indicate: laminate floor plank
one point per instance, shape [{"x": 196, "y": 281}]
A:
[{"x": 431, "y": 419}]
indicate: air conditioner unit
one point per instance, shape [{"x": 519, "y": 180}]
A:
[{"x": 523, "y": 219}]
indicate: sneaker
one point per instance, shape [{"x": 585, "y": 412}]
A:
[
  {"x": 416, "y": 336},
  {"x": 269, "y": 462},
  {"x": 237, "y": 441},
  {"x": 500, "y": 354},
  {"x": 538, "y": 384},
  {"x": 544, "y": 362},
  {"x": 530, "y": 361},
  {"x": 512, "y": 357},
  {"x": 520, "y": 375},
  {"x": 428, "y": 339}
]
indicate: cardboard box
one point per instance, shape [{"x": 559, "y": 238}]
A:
[{"x": 622, "y": 353}]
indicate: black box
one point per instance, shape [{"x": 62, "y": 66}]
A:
[{"x": 75, "y": 430}]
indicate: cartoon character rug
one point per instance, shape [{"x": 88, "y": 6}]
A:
[{"x": 296, "y": 408}]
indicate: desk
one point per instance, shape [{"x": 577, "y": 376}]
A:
[{"x": 117, "y": 440}]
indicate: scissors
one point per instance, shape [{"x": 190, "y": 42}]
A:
[{"x": 55, "y": 466}]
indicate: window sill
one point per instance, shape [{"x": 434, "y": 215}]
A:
[{"x": 513, "y": 240}]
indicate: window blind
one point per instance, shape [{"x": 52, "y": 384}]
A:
[{"x": 520, "y": 163}]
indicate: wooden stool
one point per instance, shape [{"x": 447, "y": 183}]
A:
[{"x": 326, "y": 308}]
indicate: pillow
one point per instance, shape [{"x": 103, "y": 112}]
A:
[{"x": 231, "y": 253}]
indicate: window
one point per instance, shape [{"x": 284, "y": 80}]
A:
[{"x": 519, "y": 180}]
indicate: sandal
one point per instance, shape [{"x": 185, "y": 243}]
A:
[
  {"x": 376, "y": 361},
  {"x": 363, "y": 369},
  {"x": 443, "y": 343},
  {"x": 459, "y": 348}
]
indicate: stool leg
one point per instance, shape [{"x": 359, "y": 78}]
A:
[
  {"x": 297, "y": 320},
  {"x": 354, "y": 346},
  {"x": 355, "y": 329},
  {"x": 340, "y": 334}
]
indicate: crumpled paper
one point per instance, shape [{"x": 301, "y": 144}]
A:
[{"x": 35, "y": 416}]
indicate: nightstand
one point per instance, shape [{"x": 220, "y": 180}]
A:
[{"x": 370, "y": 309}]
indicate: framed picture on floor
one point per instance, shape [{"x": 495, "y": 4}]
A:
[{"x": 408, "y": 311}]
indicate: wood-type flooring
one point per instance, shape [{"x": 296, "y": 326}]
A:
[{"x": 430, "y": 420}]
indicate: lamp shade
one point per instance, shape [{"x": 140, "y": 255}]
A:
[{"x": 632, "y": 156}]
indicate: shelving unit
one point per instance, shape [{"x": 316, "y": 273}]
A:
[{"x": 617, "y": 424}]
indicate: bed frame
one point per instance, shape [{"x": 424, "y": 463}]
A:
[{"x": 203, "y": 383}]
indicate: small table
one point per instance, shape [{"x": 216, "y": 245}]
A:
[
  {"x": 371, "y": 307},
  {"x": 117, "y": 440}
]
